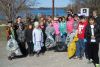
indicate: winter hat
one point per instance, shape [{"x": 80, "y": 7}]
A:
[{"x": 36, "y": 23}]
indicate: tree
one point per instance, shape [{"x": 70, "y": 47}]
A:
[
  {"x": 10, "y": 8},
  {"x": 91, "y": 4}
]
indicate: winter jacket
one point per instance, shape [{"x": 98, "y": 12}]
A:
[
  {"x": 97, "y": 20},
  {"x": 81, "y": 29},
  {"x": 75, "y": 25},
  {"x": 88, "y": 33},
  {"x": 28, "y": 34},
  {"x": 49, "y": 30},
  {"x": 62, "y": 27},
  {"x": 56, "y": 27},
  {"x": 21, "y": 35},
  {"x": 37, "y": 35},
  {"x": 70, "y": 25}
]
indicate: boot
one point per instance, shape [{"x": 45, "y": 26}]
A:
[{"x": 97, "y": 65}]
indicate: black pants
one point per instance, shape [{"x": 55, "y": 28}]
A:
[
  {"x": 30, "y": 47},
  {"x": 93, "y": 49},
  {"x": 23, "y": 48}
]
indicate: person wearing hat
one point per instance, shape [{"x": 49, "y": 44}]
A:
[{"x": 37, "y": 36}]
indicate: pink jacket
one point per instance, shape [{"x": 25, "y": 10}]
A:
[
  {"x": 70, "y": 25},
  {"x": 56, "y": 27}
]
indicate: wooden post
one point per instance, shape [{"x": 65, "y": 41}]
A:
[{"x": 53, "y": 9}]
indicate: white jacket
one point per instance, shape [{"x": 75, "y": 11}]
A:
[{"x": 37, "y": 35}]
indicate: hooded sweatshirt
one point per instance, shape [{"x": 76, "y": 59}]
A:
[
  {"x": 81, "y": 29},
  {"x": 70, "y": 25},
  {"x": 56, "y": 27}
]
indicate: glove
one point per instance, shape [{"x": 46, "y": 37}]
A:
[{"x": 85, "y": 40}]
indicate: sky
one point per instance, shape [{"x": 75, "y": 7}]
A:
[{"x": 48, "y": 3}]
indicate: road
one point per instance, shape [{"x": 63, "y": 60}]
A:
[{"x": 49, "y": 59}]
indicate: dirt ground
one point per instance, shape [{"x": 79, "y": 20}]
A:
[{"x": 49, "y": 59}]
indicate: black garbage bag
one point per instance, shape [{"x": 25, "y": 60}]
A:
[{"x": 60, "y": 47}]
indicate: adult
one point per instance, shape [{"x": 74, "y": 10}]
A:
[
  {"x": 98, "y": 22},
  {"x": 96, "y": 17}
]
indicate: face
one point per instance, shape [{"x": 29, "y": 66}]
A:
[
  {"x": 30, "y": 26},
  {"x": 94, "y": 13},
  {"x": 91, "y": 21},
  {"x": 19, "y": 19},
  {"x": 42, "y": 19},
  {"x": 69, "y": 17},
  {"x": 82, "y": 20},
  {"x": 63, "y": 19},
  {"x": 76, "y": 18}
]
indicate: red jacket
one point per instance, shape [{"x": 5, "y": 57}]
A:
[{"x": 81, "y": 29}]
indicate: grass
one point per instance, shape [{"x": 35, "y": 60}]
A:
[{"x": 3, "y": 33}]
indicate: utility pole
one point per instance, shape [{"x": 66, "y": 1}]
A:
[{"x": 53, "y": 9}]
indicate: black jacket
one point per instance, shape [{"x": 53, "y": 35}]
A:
[
  {"x": 97, "y": 20},
  {"x": 28, "y": 34},
  {"x": 88, "y": 33}
]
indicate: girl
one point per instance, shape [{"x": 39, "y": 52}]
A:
[
  {"x": 62, "y": 28},
  {"x": 37, "y": 38},
  {"x": 28, "y": 34},
  {"x": 93, "y": 36},
  {"x": 50, "y": 33},
  {"x": 21, "y": 39}
]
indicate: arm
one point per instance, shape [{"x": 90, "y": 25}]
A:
[
  {"x": 33, "y": 34},
  {"x": 87, "y": 34}
]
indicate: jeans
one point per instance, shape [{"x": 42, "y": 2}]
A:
[
  {"x": 80, "y": 48},
  {"x": 63, "y": 38}
]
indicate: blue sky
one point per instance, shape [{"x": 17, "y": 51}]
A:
[{"x": 48, "y": 3}]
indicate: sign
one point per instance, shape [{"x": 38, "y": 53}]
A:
[{"x": 85, "y": 11}]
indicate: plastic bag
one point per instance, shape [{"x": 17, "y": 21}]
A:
[
  {"x": 71, "y": 49},
  {"x": 12, "y": 46}
]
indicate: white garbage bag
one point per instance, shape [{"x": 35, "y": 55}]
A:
[{"x": 12, "y": 46}]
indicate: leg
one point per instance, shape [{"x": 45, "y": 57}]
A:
[
  {"x": 78, "y": 48},
  {"x": 95, "y": 53},
  {"x": 82, "y": 48}
]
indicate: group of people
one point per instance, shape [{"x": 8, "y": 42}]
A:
[{"x": 47, "y": 32}]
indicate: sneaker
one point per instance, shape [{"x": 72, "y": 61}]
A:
[
  {"x": 89, "y": 61},
  {"x": 9, "y": 58},
  {"x": 97, "y": 65},
  {"x": 75, "y": 57},
  {"x": 37, "y": 55}
]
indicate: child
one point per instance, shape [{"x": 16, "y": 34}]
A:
[
  {"x": 81, "y": 44},
  {"x": 93, "y": 36},
  {"x": 12, "y": 45},
  {"x": 57, "y": 32},
  {"x": 62, "y": 28},
  {"x": 28, "y": 34},
  {"x": 50, "y": 33},
  {"x": 37, "y": 35},
  {"x": 21, "y": 39}
]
